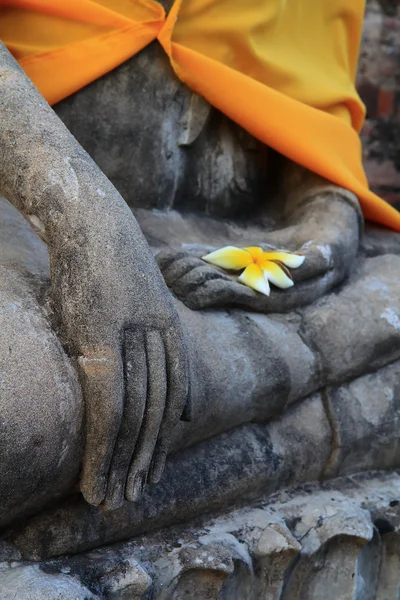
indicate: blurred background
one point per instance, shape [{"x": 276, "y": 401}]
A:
[{"x": 378, "y": 83}]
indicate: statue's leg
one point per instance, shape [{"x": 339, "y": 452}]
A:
[
  {"x": 349, "y": 425},
  {"x": 244, "y": 368},
  {"x": 41, "y": 408}
]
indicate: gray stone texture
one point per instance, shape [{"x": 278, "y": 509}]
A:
[
  {"x": 41, "y": 412},
  {"x": 328, "y": 541},
  {"x": 365, "y": 417},
  {"x": 111, "y": 306},
  {"x": 217, "y": 168},
  {"x": 304, "y": 419},
  {"x": 369, "y": 306},
  {"x": 25, "y": 582}
]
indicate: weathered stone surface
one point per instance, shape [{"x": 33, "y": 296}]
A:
[
  {"x": 388, "y": 584},
  {"x": 19, "y": 243},
  {"x": 112, "y": 305},
  {"x": 331, "y": 541},
  {"x": 275, "y": 365},
  {"x": 28, "y": 582},
  {"x": 329, "y": 252},
  {"x": 316, "y": 542},
  {"x": 240, "y": 464},
  {"x": 212, "y": 566},
  {"x": 368, "y": 568},
  {"x": 365, "y": 416},
  {"x": 273, "y": 556},
  {"x": 110, "y": 574},
  {"x": 278, "y": 367},
  {"x": 282, "y": 453},
  {"x": 369, "y": 306},
  {"x": 41, "y": 407},
  {"x": 129, "y": 583},
  {"x": 378, "y": 241},
  {"x": 268, "y": 373},
  {"x": 219, "y": 169},
  {"x": 302, "y": 439},
  {"x": 227, "y": 467}
]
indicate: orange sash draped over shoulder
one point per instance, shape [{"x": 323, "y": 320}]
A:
[
  {"x": 65, "y": 44},
  {"x": 282, "y": 69}
]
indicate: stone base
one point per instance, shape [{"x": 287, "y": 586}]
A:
[{"x": 338, "y": 540}]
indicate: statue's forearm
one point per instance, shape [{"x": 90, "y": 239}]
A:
[
  {"x": 299, "y": 185},
  {"x": 113, "y": 305},
  {"x": 44, "y": 171}
]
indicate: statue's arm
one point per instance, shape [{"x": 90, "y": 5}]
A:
[
  {"x": 115, "y": 313},
  {"x": 322, "y": 221}
]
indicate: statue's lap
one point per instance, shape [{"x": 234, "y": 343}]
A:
[{"x": 248, "y": 367}]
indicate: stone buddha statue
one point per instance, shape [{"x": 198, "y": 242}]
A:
[{"x": 120, "y": 360}]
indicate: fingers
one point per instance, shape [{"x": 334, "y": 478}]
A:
[
  {"x": 153, "y": 415},
  {"x": 187, "y": 285},
  {"x": 281, "y": 238},
  {"x": 217, "y": 293},
  {"x": 178, "y": 384},
  {"x": 176, "y": 266},
  {"x": 165, "y": 258},
  {"x": 220, "y": 294},
  {"x": 175, "y": 275},
  {"x": 103, "y": 388},
  {"x": 132, "y": 416},
  {"x": 152, "y": 361},
  {"x": 318, "y": 260},
  {"x": 201, "y": 286},
  {"x": 302, "y": 293}
]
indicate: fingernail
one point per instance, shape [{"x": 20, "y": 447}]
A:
[
  {"x": 136, "y": 489},
  {"x": 93, "y": 492},
  {"x": 157, "y": 468},
  {"x": 115, "y": 498}
]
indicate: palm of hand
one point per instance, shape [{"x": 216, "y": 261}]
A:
[{"x": 327, "y": 232}]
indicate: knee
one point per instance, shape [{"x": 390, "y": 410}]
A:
[{"x": 41, "y": 408}]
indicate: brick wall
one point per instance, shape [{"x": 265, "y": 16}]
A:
[{"x": 378, "y": 83}]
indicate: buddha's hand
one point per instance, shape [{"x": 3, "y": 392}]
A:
[
  {"x": 113, "y": 308},
  {"x": 324, "y": 228},
  {"x": 117, "y": 317}
]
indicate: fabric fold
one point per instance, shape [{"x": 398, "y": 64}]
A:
[
  {"x": 310, "y": 115},
  {"x": 316, "y": 140},
  {"x": 64, "y": 46}
]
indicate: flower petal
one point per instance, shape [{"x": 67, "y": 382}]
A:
[
  {"x": 229, "y": 257},
  {"x": 255, "y": 251},
  {"x": 290, "y": 259},
  {"x": 276, "y": 275},
  {"x": 254, "y": 278}
]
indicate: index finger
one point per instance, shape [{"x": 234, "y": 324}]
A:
[{"x": 319, "y": 258}]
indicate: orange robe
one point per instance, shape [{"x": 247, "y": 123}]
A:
[{"x": 282, "y": 69}]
